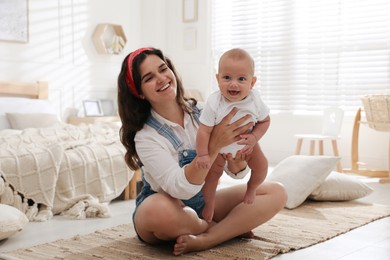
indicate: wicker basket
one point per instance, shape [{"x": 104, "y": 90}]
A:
[{"x": 377, "y": 108}]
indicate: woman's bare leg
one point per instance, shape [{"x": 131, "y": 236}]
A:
[
  {"x": 233, "y": 217},
  {"x": 162, "y": 218}
]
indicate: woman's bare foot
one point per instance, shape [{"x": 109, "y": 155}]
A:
[
  {"x": 249, "y": 234},
  {"x": 191, "y": 243},
  {"x": 187, "y": 243}
]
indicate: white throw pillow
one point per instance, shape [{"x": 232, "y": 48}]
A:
[
  {"x": 31, "y": 120},
  {"x": 301, "y": 175},
  {"x": 12, "y": 220},
  {"x": 340, "y": 187},
  {"x": 22, "y": 105}
]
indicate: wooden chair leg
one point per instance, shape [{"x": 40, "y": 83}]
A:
[
  {"x": 355, "y": 142},
  {"x": 321, "y": 147},
  {"x": 299, "y": 146},
  {"x": 386, "y": 180},
  {"x": 336, "y": 153},
  {"x": 312, "y": 147}
]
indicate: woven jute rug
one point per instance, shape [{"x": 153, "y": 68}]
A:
[{"x": 309, "y": 224}]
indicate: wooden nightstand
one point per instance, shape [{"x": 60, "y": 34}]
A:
[
  {"x": 75, "y": 120},
  {"x": 130, "y": 191}
]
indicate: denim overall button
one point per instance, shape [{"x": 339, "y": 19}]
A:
[{"x": 185, "y": 154}]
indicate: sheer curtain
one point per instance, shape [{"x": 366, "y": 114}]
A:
[{"x": 309, "y": 54}]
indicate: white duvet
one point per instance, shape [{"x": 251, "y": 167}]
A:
[{"x": 64, "y": 169}]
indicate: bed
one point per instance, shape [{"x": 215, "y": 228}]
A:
[{"x": 48, "y": 167}]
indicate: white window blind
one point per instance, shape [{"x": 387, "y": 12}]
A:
[{"x": 309, "y": 54}]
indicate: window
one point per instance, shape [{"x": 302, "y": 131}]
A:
[{"x": 309, "y": 54}]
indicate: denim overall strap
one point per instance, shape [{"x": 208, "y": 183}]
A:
[
  {"x": 196, "y": 114},
  {"x": 165, "y": 131}
]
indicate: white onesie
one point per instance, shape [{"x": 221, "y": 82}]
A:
[{"x": 217, "y": 107}]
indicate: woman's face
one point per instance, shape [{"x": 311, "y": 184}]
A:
[{"x": 158, "y": 83}]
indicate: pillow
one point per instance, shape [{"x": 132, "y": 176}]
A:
[
  {"x": 12, "y": 220},
  {"x": 22, "y": 105},
  {"x": 31, "y": 120},
  {"x": 339, "y": 187},
  {"x": 301, "y": 175}
]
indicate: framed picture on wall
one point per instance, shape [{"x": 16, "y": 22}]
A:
[
  {"x": 14, "y": 20},
  {"x": 190, "y": 11},
  {"x": 93, "y": 107}
]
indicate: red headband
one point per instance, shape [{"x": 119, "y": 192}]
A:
[{"x": 129, "y": 74}]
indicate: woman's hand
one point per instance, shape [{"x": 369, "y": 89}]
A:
[{"x": 226, "y": 133}]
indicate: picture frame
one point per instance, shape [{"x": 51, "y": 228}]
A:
[
  {"x": 93, "y": 107},
  {"x": 14, "y": 21},
  {"x": 190, "y": 11},
  {"x": 108, "y": 107}
]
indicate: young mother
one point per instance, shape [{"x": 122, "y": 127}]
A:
[{"x": 159, "y": 132}]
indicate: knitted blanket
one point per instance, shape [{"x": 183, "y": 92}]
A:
[{"x": 64, "y": 169}]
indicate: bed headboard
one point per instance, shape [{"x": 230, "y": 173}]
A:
[{"x": 36, "y": 90}]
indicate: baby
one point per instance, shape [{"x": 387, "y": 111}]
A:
[{"x": 235, "y": 80}]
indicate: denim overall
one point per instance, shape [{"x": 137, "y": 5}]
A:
[{"x": 185, "y": 157}]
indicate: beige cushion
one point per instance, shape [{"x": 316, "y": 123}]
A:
[
  {"x": 340, "y": 187},
  {"x": 31, "y": 120},
  {"x": 12, "y": 220},
  {"x": 301, "y": 175}
]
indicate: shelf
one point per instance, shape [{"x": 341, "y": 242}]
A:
[
  {"x": 109, "y": 38},
  {"x": 75, "y": 120}
]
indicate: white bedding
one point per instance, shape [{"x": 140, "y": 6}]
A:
[{"x": 63, "y": 169}]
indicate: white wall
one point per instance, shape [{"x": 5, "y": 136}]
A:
[
  {"x": 195, "y": 67},
  {"x": 60, "y": 51}
]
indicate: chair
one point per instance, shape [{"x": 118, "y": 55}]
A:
[
  {"x": 331, "y": 126},
  {"x": 377, "y": 117}
]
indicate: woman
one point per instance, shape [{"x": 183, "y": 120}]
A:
[{"x": 159, "y": 132}]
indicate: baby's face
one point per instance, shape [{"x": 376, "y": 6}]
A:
[{"x": 235, "y": 78}]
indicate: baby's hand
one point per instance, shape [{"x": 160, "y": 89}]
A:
[
  {"x": 249, "y": 140},
  {"x": 203, "y": 162}
]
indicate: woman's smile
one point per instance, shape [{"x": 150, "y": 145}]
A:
[{"x": 164, "y": 87}]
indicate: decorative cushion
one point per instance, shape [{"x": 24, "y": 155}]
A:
[
  {"x": 12, "y": 220},
  {"x": 339, "y": 187},
  {"x": 31, "y": 120},
  {"x": 22, "y": 105},
  {"x": 301, "y": 175}
]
